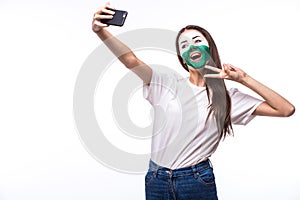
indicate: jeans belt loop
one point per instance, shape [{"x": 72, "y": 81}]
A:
[{"x": 196, "y": 173}]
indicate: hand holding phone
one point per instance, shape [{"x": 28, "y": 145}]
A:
[
  {"x": 107, "y": 15},
  {"x": 118, "y": 18}
]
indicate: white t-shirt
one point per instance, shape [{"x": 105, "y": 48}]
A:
[{"x": 180, "y": 135}]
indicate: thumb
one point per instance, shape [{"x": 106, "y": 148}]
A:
[{"x": 226, "y": 68}]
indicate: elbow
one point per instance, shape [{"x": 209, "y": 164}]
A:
[
  {"x": 129, "y": 60},
  {"x": 289, "y": 111}
]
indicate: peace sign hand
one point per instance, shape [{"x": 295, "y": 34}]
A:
[{"x": 228, "y": 72}]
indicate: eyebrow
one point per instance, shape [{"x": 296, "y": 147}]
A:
[
  {"x": 192, "y": 38},
  {"x": 195, "y": 36},
  {"x": 183, "y": 41}
]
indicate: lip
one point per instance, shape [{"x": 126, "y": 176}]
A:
[{"x": 197, "y": 54}]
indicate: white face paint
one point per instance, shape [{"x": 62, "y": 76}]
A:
[{"x": 191, "y": 37}]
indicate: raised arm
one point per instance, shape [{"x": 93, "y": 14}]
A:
[
  {"x": 124, "y": 53},
  {"x": 274, "y": 104}
]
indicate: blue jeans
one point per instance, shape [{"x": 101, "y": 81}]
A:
[{"x": 190, "y": 183}]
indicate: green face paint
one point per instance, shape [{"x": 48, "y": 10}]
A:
[{"x": 196, "y": 56}]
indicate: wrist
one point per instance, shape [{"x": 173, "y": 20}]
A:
[
  {"x": 99, "y": 31},
  {"x": 245, "y": 80},
  {"x": 103, "y": 34}
]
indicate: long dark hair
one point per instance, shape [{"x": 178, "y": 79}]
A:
[{"x": 219, "y": 99}]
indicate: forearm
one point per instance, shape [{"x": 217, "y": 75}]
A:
[
  {"x": 123, "y": 53},
  {"x": 119, "y": 49},
  {"x": 281, "y": 107}
]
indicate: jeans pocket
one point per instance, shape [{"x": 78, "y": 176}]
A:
[{"x": 207, "y": 176}]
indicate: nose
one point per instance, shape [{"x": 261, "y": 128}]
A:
[{"x": 192, "y": 47}]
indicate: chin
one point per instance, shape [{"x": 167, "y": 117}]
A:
[{"x": 191, "y": 69}]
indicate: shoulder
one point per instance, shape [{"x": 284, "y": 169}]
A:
[
  {"x": 241, "y": 98},
  {"x": 233, "y": 91},
  {"x": 167, "y": 77}
]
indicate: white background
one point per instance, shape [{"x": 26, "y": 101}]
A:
[{"x": 43, "y": 45}]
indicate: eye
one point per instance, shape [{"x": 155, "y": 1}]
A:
[
  {"x": 198, "y": 41},
  {"x": 183, "y": 46}
]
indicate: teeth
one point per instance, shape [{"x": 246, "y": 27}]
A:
[{"x": 195, "y": 55}]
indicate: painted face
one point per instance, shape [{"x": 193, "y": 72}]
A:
[{"x": 194, "y": 48}]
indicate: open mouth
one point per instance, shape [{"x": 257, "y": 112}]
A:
[{"x": 195, "y": 56}]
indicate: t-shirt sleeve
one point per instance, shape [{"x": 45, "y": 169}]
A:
[
  {"x": 242, "y": 107},
  {"x": 161, "y": 88}
]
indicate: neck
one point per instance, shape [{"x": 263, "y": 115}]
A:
[{"x": 196, "y": 78}]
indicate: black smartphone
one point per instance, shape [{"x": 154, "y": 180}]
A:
[{"x": 118, "y": 18}]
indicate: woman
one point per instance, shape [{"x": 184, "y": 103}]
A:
[{"x": 197, "y": 111}]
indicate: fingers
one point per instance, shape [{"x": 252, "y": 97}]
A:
[
  {"x": 221, "y": 73},
  {"x": 218, "y": 75},
  {"x": 212, "y": 68},
  {"x": 99, "y": 17},
  {"x": 231, "y": 71},
  {"x": 104, "y": 12},
  {"x": 229, "y": 67},
  {"x": 225, "y": 66},
  {"x": 107, "y": 5},
  {"x": 106, "y": 9},
  {"x": 98, "y": 25},
  {"x": 228, "y": 72},
  {"x": 212, "y": 76}
]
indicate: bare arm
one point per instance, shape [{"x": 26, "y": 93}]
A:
[
  {"x": 124, "y": 53},
  {"x": 274, "y": 104}
]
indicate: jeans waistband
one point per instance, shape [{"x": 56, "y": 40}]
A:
[{"x": 155, "y": 168}]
